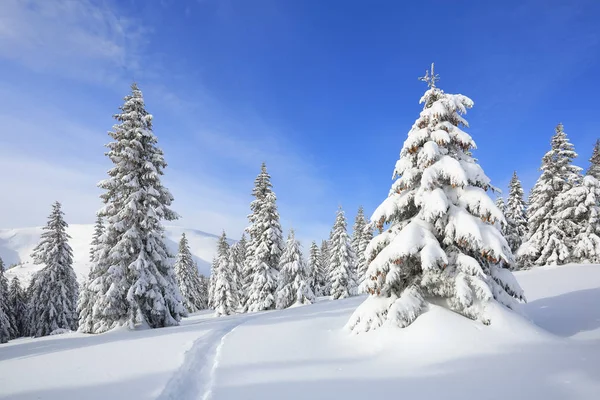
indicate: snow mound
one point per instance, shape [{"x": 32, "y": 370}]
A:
[{"x": 16, "y": 246}]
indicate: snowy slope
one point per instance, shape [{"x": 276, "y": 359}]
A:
[
  {"x": 16, "y": 246},
  {"x": 303, "y": 353}
]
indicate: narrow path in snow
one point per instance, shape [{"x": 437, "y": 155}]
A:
[{"x": 196, "y": 376}]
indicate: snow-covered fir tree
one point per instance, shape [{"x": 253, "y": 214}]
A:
[
  {"x": 98, "y": 231},
  {"x": 204, "y": 290},
  {"x": 341, "y": 263},
  {"x": 133, "y": 282},
  {"x": 7, "y": 323},
  {"x": 500, "y": 203},
  {"x": 265, "y": 248},
  {"x": 85, "y": 300},
  {"x": 17, "y": 303},
  {"x": 54, "y": 289},
  {"x": 514, "y": 213},
  {"x": 594, "y": 169},
  {"x": 325, "y": 262},
  {"x": 439, "y": 231},
  {"x": 580, "y": 205},
  {"x": 358, "y": 229},
  {"x": 293, "y": 288},
  {"x": 211, "y": 282},
  {"x": 550, "y": 234},
  {"x": 188, "y": 278},
  {"x": 225, "y": 299},
  {"x": 237, "y": 259},
  {"x": 361, "y": 258},
  {"x": 318, "y": 276}
]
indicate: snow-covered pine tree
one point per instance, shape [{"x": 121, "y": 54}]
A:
[
  {"x": 500, "y": 203},
  {"x": 98, "y": 231},
  {"x": 54, "y": 289},
  {"x": 188, "y": 278},
  {"x": 439, "y": 231},
  {"x": 325, "y": 263},
  {"x": 581, "y": 205},
  {"x": 293, "y": 287},
  {"x": 594, "y": 169},
  {"x": 204, "y": 288},
  {"x": 550, "y": 234},
  {"x": 17, "y": 303},
  {"x": 237, "y": 258},
  {"x": 343, "y": 281},
  {"x": 265, "y": 245},
  {"x": 514, "y": 212},
  {"x": 225, "y": 298},
  {"x": 133, "y": 281},
  {"x": 211, "y": 282},
  {"x": 361, "y": 258},
  {"x": 86, "y": 299},
  {"x": 7, "y": 323},
  {"x": 358, "y": 229},
  {"x": 317, "y": 272}
]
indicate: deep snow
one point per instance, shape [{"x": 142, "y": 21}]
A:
[
  {"x": 16, "y": 246},
  {"x": 303, "y": 353}
]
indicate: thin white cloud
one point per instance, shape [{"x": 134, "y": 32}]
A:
[
  {"x": 78, "y": 39},
  {"x": 58, "y": 156}
]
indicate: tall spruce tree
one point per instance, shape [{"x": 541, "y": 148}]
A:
[
  {"x": 514, "y": 212},
  {"x": 361, "y": 258},
  {"x": 438, "y": 228},
  {"x": 265, "y": 246},
  {"x": 188, "y": 278},
  {"x": 98, "y": 231},
  {"x": 133, "y": 281},
  {"x": 7, "y": 322},
  {"x": 500, "y": 204},
  {"x": 358, "y": 229},
  {"x": 317, "y": 277},
  {"x": 293, "y": 288},
  {"x": 550, "y": 234},
  {"x": 325, "y": 263},
  {"x": 237, "y": 259},
  {"x": 86, "y": 297},
  {"x": 211, "y": 281},
  {"x": 341, "y": 274},
  {"x": 54, "y": 289},
  {"x": 225, "y": 299},
  {"x": 580, "y": 205},
  {"x": 594, "y": 169},
  {"x": 17, "y": 303}
]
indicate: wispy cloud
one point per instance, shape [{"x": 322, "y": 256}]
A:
[
  {"x": 213, "y": 152},
  {"x": 78, "y": 39}
]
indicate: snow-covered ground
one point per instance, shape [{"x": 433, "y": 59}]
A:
[
  {"x": 303, "y": 353},
  {"x": 16, "y": 246}
]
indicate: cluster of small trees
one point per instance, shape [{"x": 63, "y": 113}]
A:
[
  {"x": 559, "y": 223},
  {"x": 132, "y": 280},
  {"x": 264, "y": 272}
]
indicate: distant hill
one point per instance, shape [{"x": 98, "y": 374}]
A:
[{"x": 16, "y": 246}]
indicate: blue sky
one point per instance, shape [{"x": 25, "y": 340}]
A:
[{"x": 323, "y": 91}]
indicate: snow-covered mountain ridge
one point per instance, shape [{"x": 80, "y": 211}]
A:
[{"x": 17, "y": 244}]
